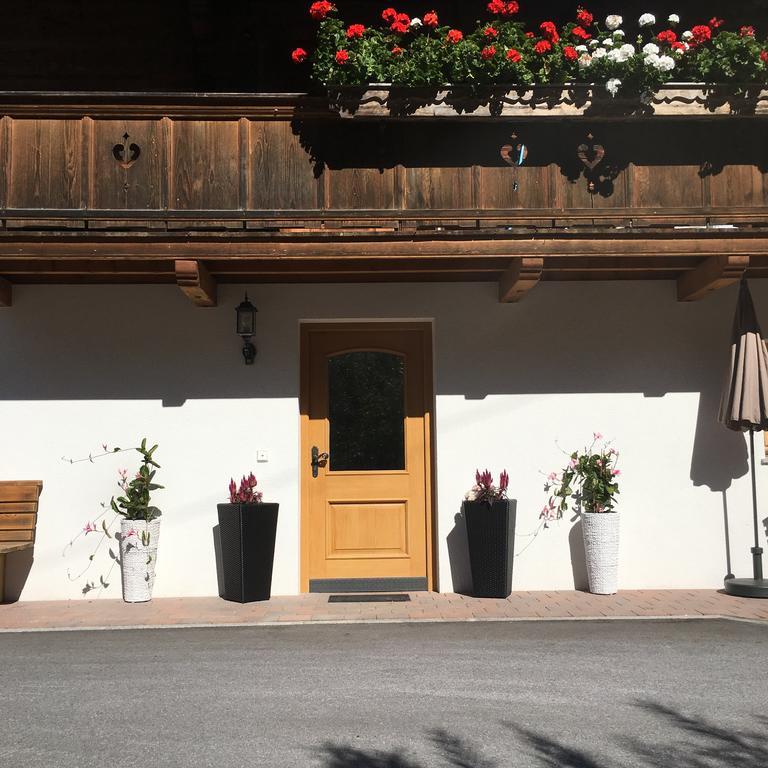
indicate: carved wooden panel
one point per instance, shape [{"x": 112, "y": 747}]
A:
[
  {"x": 280, "y": 171},
  {"x": 131, "y": 177},
  {"x": 205, "y": 164},
  {"x": 46, "y": 164}
]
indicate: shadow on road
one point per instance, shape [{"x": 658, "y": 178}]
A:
[{"x": 690, "y": 743}]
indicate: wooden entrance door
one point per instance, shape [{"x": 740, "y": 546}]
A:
[{"x": 366, "y": 400}]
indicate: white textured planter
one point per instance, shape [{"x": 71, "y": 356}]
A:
[
  {"x": 601, "y": 548},
  {"x": 138, "y": 559}
]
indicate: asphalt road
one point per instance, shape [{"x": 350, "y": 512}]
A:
[{"x": 475, "y": 695}]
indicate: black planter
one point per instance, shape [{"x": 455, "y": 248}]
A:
[
  {"x": 491, "y": 540},
  {"x": 247, "y": 533}
]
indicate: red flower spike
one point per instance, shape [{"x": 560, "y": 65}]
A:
[
  {"x": 299, "y": 56},
  {"x": 430, "y": 19},
  {"x": 321, "y": 9},
  {"x": 454, "y": 36},
  {"x": 232, "y": 491},
  {"x": 584, "y": 17},
  {"x": 355, "y": 30},
  {"x": 342, "y": 57}
]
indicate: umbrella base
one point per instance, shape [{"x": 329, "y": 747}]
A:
[{"x": 747, "y": 587}]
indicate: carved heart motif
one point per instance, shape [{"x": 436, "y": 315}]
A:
[
  {"x": 591, "y": 155},
  {"x": 514, "y": 154},
  {"x": 119, "y": 152}
]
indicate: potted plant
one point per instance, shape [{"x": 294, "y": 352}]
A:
[
  {"x": 247, "y": 529},
  {"x": 590, "y": 478},
  {"x": 490, "y": 520},
  {"x": 139, "y": 528}
]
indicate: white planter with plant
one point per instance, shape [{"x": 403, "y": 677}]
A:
[
  {"x": 139, "y": 533},
  {"x": 590, "y": 480}
]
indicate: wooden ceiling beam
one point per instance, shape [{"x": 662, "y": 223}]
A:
[
  {"x": 196, "y": 281},
  {"x": 6, "y": 293},
  {"x": 522, "y": 275},
  {"x": 712, "y": 274}
]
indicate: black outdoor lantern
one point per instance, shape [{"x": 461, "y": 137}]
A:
[{"x": 246, "y": 326}]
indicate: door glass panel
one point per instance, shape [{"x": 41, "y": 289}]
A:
[{"x": 366, "y": 409}]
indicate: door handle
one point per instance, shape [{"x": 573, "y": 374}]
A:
[{"x": 318, "y": 460}]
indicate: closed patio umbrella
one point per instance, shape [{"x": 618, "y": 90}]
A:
[{"x": 744, "y": 407}]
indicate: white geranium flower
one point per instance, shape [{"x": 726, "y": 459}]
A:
[
  {"x": 613, "y": 85},
  {"x": 416, "y": 22},
  {"x": 616, "y": 56},
  {"x": 613, "y": 22},
  {"x": 585, "y": 61},
  {"x": 652, "y": 60},
  {"x": 619, "y": 34},
  {"x": 599, "y": 53},
  {"x": 679, "y": 51},
  {"x": 687, "y": 35},
  {"x": 666, "y": 63},
  {"x": 673, "y": 19},
  {"x": 650, "y": 49},
  {"x": 608, "y": 42},
  {"x": 594, "y": 43},
  {"x": 629, "y": 49},
  {"x": 582, "y": 48},
  {"x": 647, "y": 20}
]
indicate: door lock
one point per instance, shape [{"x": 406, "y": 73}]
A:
[{"x": 318, "y": 460}]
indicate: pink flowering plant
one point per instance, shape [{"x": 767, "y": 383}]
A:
[
  {"x": 484, "y": 489},
  {"x": 590, "y": 479},
  {"x": 246, "y": 493},
  {"x": 133, "y": 502}
]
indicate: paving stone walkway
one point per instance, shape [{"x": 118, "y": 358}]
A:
[{"x": 423, "y": 606}]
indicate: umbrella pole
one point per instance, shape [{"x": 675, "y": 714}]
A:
[{"x": 757, "y": 550}]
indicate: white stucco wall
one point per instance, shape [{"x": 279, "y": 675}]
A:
[{"x": 83, "y": 365}]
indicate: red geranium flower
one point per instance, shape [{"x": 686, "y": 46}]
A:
[
  {"x": 747, "y": 31},
  {"x": 668, "y": 36},
  {"x": 355, "y": 30},
  {"x": 549, "y": 30},
  {"x": 529, "y": 34},
  {"x": 701, "y": 34},
  {"x": 389, "y": 15},
  {"x": 678, "y": 46},
  {"x": 512, "y": 8},
  {"x": 397, "y": 51},
  {"x": 430, "y": 19},
  {"x": 490, "y": 32},
  {"x": 342, "y": 57},
  {"x": 299, "y": 56},
  {"x": 764, "y": 56},
  {"x": 543, "y": 46},
  {"x": 580, "y": 33},
  {"x": 321, "y": 9},
  {"x": 454, "y": 36},
  {"x": 583, "y": 16},
  {"x": 488, "y": 52},
  {"x": 514, "y": 55},
  {"x": 401, "y": 24},
  {"x": 570, "y": 53},
  {"x": 716, "y": 23},
  {"x": 500, "y": 8}
]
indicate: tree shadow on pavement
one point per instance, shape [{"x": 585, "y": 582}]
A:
[{"x": 687, "y": 742}]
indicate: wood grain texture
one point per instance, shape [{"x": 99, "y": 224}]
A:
[
  {"x": 205, "y": 164},
  {"x": 46, "y": 164},
  {"x": 519, "y": 278},
  {"x": 711, "y": 275},
  {"x": 20, "y": 490},
  {"x": 196, "y": 282}
]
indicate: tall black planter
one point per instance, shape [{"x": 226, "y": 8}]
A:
[
  {"x": 247, "y": 533},
  {"x": 491, "y": 540}
]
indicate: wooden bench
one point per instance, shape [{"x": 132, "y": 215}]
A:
[{"x": 18, "y": 519}]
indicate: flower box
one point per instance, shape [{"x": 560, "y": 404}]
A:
[{"x": 562, "y": 101}]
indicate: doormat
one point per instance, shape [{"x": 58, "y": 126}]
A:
[{"x": 378, "y": 598}]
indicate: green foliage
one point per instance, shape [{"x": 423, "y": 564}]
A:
[{"x": 134, "y": 504}]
